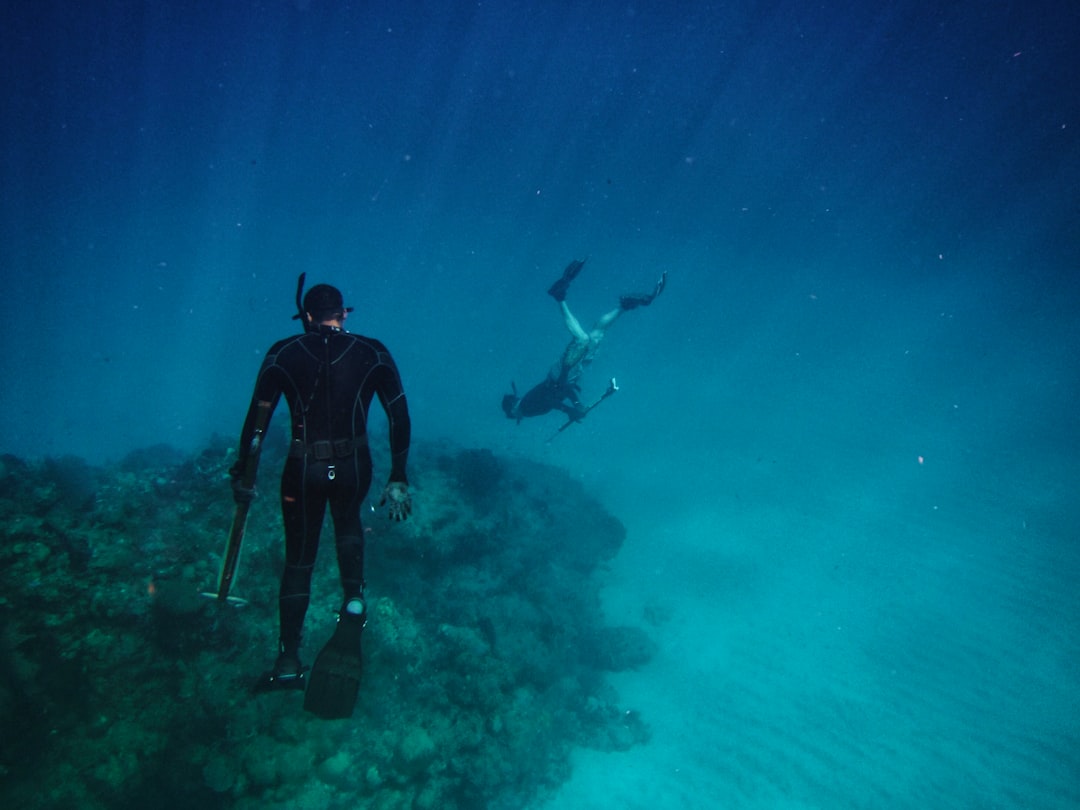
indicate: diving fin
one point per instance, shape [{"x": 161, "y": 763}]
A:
[
  {"x": 287, "y": 675},
  {"x": 628, "y": 302},
  {"x": 334, "y": 681},
  {"x": 559, "y": 288}
]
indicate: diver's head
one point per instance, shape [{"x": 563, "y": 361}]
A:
[
  {"x": 324, "y": 303},
  {"x": 510, "y": 406}
]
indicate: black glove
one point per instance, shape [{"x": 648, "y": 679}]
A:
[
  {"x": 397, "y": 495},
  {"x": 241, "y": 494}
]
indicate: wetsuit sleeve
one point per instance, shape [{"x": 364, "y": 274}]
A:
[
  {"x": 263, "y": 401},
  {"x": 391, "y": 395}
]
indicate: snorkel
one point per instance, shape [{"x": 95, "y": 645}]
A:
[
  {"x": 321, "y": 307},
  {"x": 308, "y": 325}
]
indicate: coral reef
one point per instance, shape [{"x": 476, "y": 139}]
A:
[{"x": 485, "y": 652}]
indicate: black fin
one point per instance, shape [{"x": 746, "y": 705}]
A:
[
  {"x": 559, "y": 288},
  {"x": 334, "y": 681},
  {"x": 628, "y": 302}
]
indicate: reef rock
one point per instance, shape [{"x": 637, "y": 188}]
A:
[{"x": 484, "y": 656}]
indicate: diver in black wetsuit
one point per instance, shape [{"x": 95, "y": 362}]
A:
[
  {"x": 329, "y": 378},
  {"x": 559, "y": 390}
]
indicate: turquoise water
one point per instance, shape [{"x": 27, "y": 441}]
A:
[{"x": 845, "y": 441}]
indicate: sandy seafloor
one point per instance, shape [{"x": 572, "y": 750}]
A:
[
  {"x": 832, "y": 635},
  {"x": 845, "y": 659}
]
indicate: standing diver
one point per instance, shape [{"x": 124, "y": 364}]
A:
[
  {"x": 329, "y": 378},
  {"x": 560, "y": 389}
]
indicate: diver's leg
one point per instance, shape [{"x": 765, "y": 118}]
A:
[
  {"x": 593, "y": 338},
  {"x": 303, "y": 504},
  {"x": 605, "y": 321},
  {"x": 347, "y": 494},
  {"x": 573, "y": 326}
]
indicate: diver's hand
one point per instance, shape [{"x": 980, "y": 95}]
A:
[
  {"x": 397, "y": 496},
  {"x": 242, "y": 495}
]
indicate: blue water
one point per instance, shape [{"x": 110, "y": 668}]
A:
[{"x": 846, "y": 441}]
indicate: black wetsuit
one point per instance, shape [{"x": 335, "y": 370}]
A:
[
  {"x": 550, "y": 395},
  {"x": 559, "y": 391},
  {"x": 329, "y": 379}
]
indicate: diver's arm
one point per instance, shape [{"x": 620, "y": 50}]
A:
[
  {"x": 397, "y": 415},
  {"x": 391, "y": 395},
  {"x": 573, "y": 408},
  {"x": 263, "y": 402}
]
